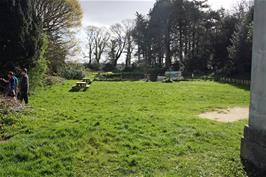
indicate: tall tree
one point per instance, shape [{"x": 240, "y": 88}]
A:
[
  {"x": 101, "y": 39},
  {"x": 90, "y": 47},
  {"x": 129, "y": 47},
  {"x": 160, "y": 32},
  {"x": 240, "y": 52},
  {"x": 20, "y": 33},
  {"x": 118, "y": 43},
  {"x": 57, "y": 18},
  {"x": 140, "y": 36},
  {"x": 195, "y": 38}
]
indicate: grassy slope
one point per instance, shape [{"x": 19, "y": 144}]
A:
[{"x": 125, "y": 129}]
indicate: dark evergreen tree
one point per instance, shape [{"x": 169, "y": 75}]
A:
[
  {"x": 240, "y": 52},
  {"x": 20, "y": 34},
  {"x": 195, "y": 38},
  {"x": 140, "y": 34}
]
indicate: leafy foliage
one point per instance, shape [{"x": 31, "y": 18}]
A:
[
  {"x": 56, "y": 18},
  {"x": 109, "y": 76},
  {"x": 72, "y": 71},
  {"x": 53, "y": 80},
  {"x": 37, "y": 73},
  {"x": 240, "y": 52}
]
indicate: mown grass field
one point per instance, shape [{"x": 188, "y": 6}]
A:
[{"x": 124, "y": 129}]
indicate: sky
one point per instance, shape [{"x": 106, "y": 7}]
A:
[{"x": 108, "y": 12}]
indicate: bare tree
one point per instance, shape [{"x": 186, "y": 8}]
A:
[
  {"x": 58, "y": 15},
  {"x": 91, "y": 33},
  {"x": 97, "y": 41},
  {"x": 101, "y": 39},
  {"x": 118, "y": 43}
]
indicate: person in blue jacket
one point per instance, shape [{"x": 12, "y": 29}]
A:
[{"x": 12, "y": 85}]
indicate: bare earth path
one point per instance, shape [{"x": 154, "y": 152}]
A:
[{"x": 227, "y": 115}]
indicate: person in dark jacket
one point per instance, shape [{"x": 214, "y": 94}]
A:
[
  {"x": 16, "y": 84},
  {"x": 24, "y": 86},
  {"x": 11, "y": 89}
]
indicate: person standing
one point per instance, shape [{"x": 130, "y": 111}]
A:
[
  {"x": 11, "y": 89},
  {"x": 16, "y": 84},
  {"x": 24, "y": 86}
]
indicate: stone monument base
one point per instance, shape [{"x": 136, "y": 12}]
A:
[{"x": 253, "y": 151}]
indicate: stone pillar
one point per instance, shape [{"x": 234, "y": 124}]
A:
[{"x": 253, "y": 145}]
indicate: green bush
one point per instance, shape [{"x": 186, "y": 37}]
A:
[
  {"x": 108, "y": 67},
  {"x": 72, "y": 72},
  {"x": 53, "y": 80},
  {"x": 109, "y": 76},
  {"x": 92, "y": 66},
  {"x": 37, "y": 73}
]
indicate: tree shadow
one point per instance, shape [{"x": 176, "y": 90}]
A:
[
  {"x": 239, "y": 86},
  {"x": 79, "y": 89},
  {"x": 243, "y": 87}
]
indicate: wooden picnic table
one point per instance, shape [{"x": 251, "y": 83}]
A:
[
  {"x": 81, "y": 84},
  {"x": 88, "y": 81}
]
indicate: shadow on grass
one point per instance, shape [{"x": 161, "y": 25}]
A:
[
  {"x": 252, "y": 171},
  {"x": 78, "y": 89},
  {"x": 117, "y": 80},
  {"x": 239, "y": 86},
  {"x": 243, "y": 87}
]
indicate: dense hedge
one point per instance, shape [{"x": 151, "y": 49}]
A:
[
  {"x": 72, "y": 72},
  {"x": 120, "y": 76},
  {"x": 53, "y": 80}
]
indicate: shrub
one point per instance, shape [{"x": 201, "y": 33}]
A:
[
  {"x": 156, "y": 70},
  {"x": 92, "y": 66},
  {"x": 53, "y": 80},
  {"x": 109, "y": 76},
  {"x": 72, "y": 71},
  {"x": 108, "y": 67},
  {"x": 37, "y": 73}
]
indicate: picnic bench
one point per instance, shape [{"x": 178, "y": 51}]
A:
[
  {"x": 88, "y": 81},
  {"x": 84, "y": 84},
  {"x": 81, "y": 84}
]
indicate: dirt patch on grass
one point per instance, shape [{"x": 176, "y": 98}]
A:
[
  {"x": 10, "y": 105},
  {"x": 3, "y": 142},
  {"x": 227, "y": 115}
]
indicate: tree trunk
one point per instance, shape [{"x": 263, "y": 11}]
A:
[
  {"x": 180, "y": 43},
  {"x": 193, "y": 42},
  {"x": 168, "y": 49},
  {"x": 128, "y": 58}
]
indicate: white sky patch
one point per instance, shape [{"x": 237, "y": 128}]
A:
[{"x": 227, "y": 4}]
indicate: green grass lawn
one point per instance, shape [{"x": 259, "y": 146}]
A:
[{"x": 124, "y": 129}]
